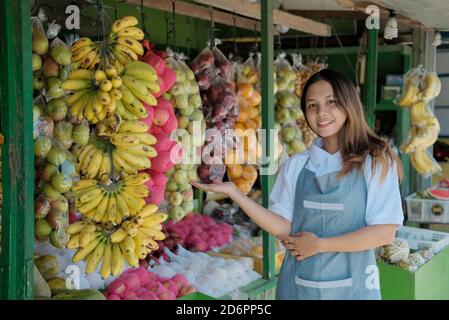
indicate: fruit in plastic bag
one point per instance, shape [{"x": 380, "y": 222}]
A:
[
  {"x": 50, "y": 68},
  {"x": 57, "y": 109},
  {"x": 39, "y": 38},
  {"x": 36, "y": 62},
  {"x": 60, "y": 52}
]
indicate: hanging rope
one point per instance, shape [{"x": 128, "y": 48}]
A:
[
  {"x": 173, "y": 3},
  {"x": 143, "y": 17}
]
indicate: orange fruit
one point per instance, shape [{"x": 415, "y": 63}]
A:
[
  {"x": 245, "y": 90},
  {"x": 254, "y": 99},
  {"x": 249, "y": 173},
  {"x": 243, "y": 115},
  {"x": 234, "y": 171},
  {"x": 240, "y": 125},
  {"x": 252, "y": 112},
  {"x": 243, "y": 185},
  {"x": 243, "y": 103}
]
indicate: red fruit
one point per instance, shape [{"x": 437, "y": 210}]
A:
[
  {"x": 149, "y": 119},
  {"x": 164, "y": 143},
  {"x": 156, "y": 195},
  {"x": 164, "y": 103},
  {"x": 162, "y": 163},
  {"x": 171, "y": 285},
  {"x": 132, "y": 281},
  {"x": 117, "y": 287},
  {"x": 161, "y": 116},
  {"x": 159, "y": 289},
  {"x": 186, "y": 290},
  {"x": 180, "y": 281},
  {"x": 131, "y": 296},
  {"x": 146, "y": 295},
  {"x": 158, "y": 178},
  {"x": 171, "y": 125},
  {"x": 143, "y": 275},
  {"x": 169, "y": 77},
  {"x": 167, "y": 296},
  {"x": 155, "y": 61},
  {"x": 113, "y": 297},
  {"x": 162, "y": 87}
]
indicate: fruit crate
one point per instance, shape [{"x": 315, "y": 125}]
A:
[
  {"x": 427, "y": 210},
  {"x": 429, "y": 282},
  {"x": 423, "y": 239}
]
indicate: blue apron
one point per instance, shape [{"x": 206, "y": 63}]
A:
[{"x": 329, "y": 207}]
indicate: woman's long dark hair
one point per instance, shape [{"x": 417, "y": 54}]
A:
[{"x": 356, "y": 138}]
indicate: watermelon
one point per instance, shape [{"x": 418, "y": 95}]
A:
[{"x": 439, "y": 193}]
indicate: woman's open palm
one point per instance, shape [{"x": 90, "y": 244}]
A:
[{"x": 227, "y": 188}]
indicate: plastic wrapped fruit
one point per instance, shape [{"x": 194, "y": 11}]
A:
[{"x": 220, "y": 107}]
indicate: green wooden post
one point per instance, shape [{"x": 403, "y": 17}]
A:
[
  {"x": 370, "y": 96},
  {"x": 16, "y": 264},
  {"x": 267, "y": 124},
  {"x": 402, "y": 128}
]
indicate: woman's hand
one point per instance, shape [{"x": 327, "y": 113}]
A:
[
  {"x": 302, "y": 245},
  {"x": 227, "y": 188}
]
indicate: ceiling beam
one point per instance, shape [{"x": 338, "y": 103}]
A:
[
  {"x": 200, "y": 12},
  {"x": 329, "y": 14},
  {"x": 252, "y": 10}
]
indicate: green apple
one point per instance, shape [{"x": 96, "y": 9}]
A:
[
  {"x": 57, "y": 109},
  {"x": 48, "y": 172},
  {"x": 50, "y": 193},
  {"x": 56, "y": 156},
  {"x": 36, "y": 62},
  {"x": 61, "y": 204},
  {"x": 183, "y": 122},
  {"x": 42, "y": 146},
  {"x": 61, "y": 182},
  {"x": 288, "y": 134},
  {"x": 176, "y": 213},
  {"x": 187, "y": 111},
  {"x": 42, "y": 228},
  {"x": 180, "y": 177},
  {"x": 175, "y": 199},
  {"x": 172, "y": 186},
  {"x": 187, "y": 206}
]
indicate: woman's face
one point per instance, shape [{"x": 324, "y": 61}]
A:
[{"x": 323, "y": 112}]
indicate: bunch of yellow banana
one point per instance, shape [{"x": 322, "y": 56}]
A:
[
  {"x": 85, "y": 53},
  {"x": 133, "y": 147},
  {"x": 134, "y": 239},
  {"x": 422, "y": 137},
  {"x": 424, "y": 128},
  {"x": 111, "y": 202},
  {"x": 125, "y": 39},
  {"x": 93, "y": 159},
  {"x": 95, "y": 93},
  {"x": 411, "y": 94},
  {"x": 137, "y": 237},
  {"x": 431, "y": 86},
  {"x": 424, "y": 163}
]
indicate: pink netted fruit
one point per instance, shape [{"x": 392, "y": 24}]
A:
[
  {"x": 156, "y": 195},
  {"x": 161, "y": 116},
  {"x": 162, "y": 162},
  {"x": 164, "y": 143},
  {"x": 150, "y": 115}
]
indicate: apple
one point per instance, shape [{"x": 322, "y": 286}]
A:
[
  {"x": 42, "y": 228},
  {"x": 61, "y": 182},
  {"x": 41, "y": 207},
  {"x": 42, "y": 145},
  {"x": 56, "y": 156},
  {"x": 50, "y": 193},
  {"x": 180, "y": 177},
  {"x": 61, "y": 203},
  {"x": 175, "y": 199}
]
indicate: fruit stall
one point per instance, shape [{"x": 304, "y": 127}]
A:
[{"x": 106, "y": 115}]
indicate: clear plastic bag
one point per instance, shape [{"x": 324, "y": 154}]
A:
[
  {"x": 424, "y": 163},
  {"x": 60, "y": 52},
  {"x": 53, "y": 29},
  {"x": 303, "y": 73},
  {"x": 40, "y": 41}
]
